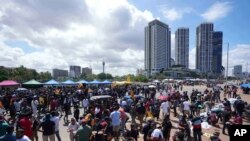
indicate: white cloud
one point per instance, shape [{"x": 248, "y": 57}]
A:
[
  {"x": 173, "y": 46},
  {"x": 173, "y": 14},
  {"x": 239, "y": 55},
  {"x": 192, "y": 58},
  {"x": 217, "y": 11},
  {"x": 74, "y": 32}
]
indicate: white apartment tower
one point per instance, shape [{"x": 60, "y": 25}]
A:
[
  {"x": 204, "y": 47},
  {"x": 157, "y": 47},
  {"x": 182, "y": 47}
]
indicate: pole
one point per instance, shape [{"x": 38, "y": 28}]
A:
[{"x": 227, "y": 64}]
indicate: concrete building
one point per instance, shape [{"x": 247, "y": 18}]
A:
[
  {"x": 74, "y": 71},
  {"x": 182, "y": 47},
  {"x": 237, "y": 71},
  {"x": 204, "y": 47},
  {"x": 140, "y": 72},
  {"x": 217, "y": 53},
  {"x": 58, "y": 73},
  {"x": 86, "y": 70},
  {"x": 157, "y": 47},
  {"x": 172, "y": 62}
]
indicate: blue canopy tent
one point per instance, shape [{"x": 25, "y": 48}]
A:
[
  {"x": 106, "y": 82},
  {"x": 69, "y": 82},
  {"x": 95, "y": 82},
  {"x": 245, "y": 85},
  {"x": 82, "y": 82},
  {"x": 52, "y": 82}
]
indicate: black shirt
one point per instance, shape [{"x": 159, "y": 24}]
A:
[{"x": 48, "y": 127}]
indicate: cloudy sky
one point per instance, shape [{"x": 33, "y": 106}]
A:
[{"x": 47, "y": 34}]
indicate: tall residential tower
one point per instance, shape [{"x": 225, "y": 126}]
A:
[
  {"x": 217, "y": 52},
  {"x": 182, "y": 47},
  {"x": 157, "y": 47},
  {"x": 204, "y": 47}
]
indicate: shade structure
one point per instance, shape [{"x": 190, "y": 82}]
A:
[
  {"x": 245, "y": 85},
  {"x": 32, "y": 82},
  {"x": 106, "y": 82},
  {"x": 21, "y": 89},
  {"x": 82, "y": 82},
  {"x": 52, "y": 82},
  {"x": 69, "y": 82},
  {"x": 9, "y": 83},
  {"x": 95, "y": 82}
]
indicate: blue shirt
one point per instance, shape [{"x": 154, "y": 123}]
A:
[{"x": 115, "y": 117}]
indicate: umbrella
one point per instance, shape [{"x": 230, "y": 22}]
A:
[
  {"x": 163, "y": 97},
  {"x": 21, "y": 89},
  {"x": 152, "y": 86}
]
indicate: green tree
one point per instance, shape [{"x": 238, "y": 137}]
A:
[{"x": 90, "y": 77}]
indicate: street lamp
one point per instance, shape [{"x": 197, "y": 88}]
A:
[{"x": 227, "y": 64}]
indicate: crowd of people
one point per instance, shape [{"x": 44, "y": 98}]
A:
[{"x": 25, "y": 113}]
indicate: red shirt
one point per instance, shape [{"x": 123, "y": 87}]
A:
[
  {"x": 238, "y": 120},
  {"x": 53, "y": 104},
  {"x": 26, "y": 124}
]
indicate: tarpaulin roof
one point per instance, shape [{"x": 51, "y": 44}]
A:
[
  {"x": 9, "y": 83},
  {"x": 52, "y": 82},
  {"x": 69, "y": 82},
  {"x": 32, "y": 82},
  {"x": 83, "y": 82},
  {"x": 245, "y": 85},
  {"x": 106, "y": 82}
]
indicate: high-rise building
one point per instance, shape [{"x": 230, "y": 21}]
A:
[
  {"x": 58, "y": 73},
  {"x": 139, "y": 72},
  {"x": 182, "y": 47},
  {"x": 204, "y": 47},
  {"x": 217, "y": 52},
  {"x": 74, "y": 71},
  {"x": 86, "y": 70},
  {"x": 237, "y": 71},
  {"x": 157, "y": 47}
]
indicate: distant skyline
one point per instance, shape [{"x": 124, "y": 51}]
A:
[{"x": 45, "y": 34}]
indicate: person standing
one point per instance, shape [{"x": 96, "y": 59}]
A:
[
  {"x": 196, "y": 122},
  {"x": 85, "y": 104},
  {"x": 165, "y": 108},
  {"x": 116, "y": 121},
  {"x": 3, "y": 126},
  {"x": 34, "y": 105},
  {"x": 167, "y": 125},
  {"x": 48, "y": 127},
  {"x": 73, "y": 126},
  {"x": 55, "y": 118},
  {"x": 84, "y": 132},
  {"x": 26, "y": 124},
  {"x": 225, "y": 118}
]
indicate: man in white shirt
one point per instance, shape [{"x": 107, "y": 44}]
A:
[
  {"x": 85, "y": 104},
  {"x": 34, "y": 104},
  {"x": 56, "y": 120},
  {"x": 186, "y": 107},
  {"x": 157, "y": 134},
  {"x": 165, "y": 108}
]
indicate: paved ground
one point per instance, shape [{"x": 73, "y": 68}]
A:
[{"x": 65, "y": 135}]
